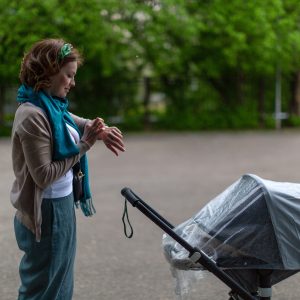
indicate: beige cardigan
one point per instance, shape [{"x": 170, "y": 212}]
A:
[{"x": 34, "y": 169}]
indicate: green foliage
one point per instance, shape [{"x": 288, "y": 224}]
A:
[
  {"x": 5, "y": 131},
  {"x": 208, "y": 120},
  {"x": 293, "y": 121},
  {"x": 210, "y": 59}
]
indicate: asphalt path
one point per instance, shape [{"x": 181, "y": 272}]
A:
[{"x": 176, "y": 173}]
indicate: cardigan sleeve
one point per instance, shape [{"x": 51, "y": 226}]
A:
[
  {"x": 80, "y": 122},
  {"x": 36, "y": 141}
]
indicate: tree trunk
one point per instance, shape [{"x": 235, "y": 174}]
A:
[
  {"x": 2, "y": 102},
  {"x": 230, "y": 87},
  {"x": 146, "y": 102},
  {"x": 261, "y": 102},
  {"x": 240, "y": 78},
  {"x": 295, "y": 86}
]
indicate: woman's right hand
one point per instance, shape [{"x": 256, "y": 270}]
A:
[{"x": 92, "y": 130}]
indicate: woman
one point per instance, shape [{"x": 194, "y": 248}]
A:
[{"x": 49, "y": 147}]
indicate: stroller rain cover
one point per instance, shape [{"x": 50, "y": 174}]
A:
[{"x": 253, "y": 224}]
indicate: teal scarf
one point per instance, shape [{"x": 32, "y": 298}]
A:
[{"x": 56, "y": 110}]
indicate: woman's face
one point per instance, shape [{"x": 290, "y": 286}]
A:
[{"x": 62, "y": 82}]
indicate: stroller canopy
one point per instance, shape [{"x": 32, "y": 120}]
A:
[{"x": 253, "y": 224}]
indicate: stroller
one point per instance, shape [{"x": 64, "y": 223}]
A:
[{"x": 248, "y": 236}]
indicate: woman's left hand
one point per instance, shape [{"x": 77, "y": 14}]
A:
[{"x": 113, "y": 139}]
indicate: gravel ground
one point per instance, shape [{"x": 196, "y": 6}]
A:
[{"x": 175, "y": 173}]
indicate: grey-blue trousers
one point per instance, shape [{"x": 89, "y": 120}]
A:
[{"x": 47, "y": 267}]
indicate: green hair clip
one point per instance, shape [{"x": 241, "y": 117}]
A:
[{"x": 65, "y": 50}]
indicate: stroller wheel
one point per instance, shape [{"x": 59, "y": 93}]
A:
[{"x": 235, "y": 296}]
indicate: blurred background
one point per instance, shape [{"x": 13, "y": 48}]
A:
[{"x": 166, "y": 65}]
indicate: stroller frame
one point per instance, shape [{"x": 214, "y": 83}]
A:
[{"x": 196, "y": 255}]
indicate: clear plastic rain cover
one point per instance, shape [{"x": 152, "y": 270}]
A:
[{"x": 254, "y": 224}]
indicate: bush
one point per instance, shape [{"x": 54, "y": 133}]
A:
[{"x": 5, "y": 131}]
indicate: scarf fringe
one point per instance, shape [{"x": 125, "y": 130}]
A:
[{"x": 87, "y": 207}]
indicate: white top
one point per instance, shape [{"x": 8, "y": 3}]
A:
[{"x": 63, "y": 186}]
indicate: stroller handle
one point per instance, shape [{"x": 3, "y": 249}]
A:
[
  {"x": 130, "y": 196},
  {"x": 169, "y": 229},
  {"x": 136, "y": 201}
]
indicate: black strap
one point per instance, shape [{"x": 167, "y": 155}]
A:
[
  {"x": 76, "y": 168},
  {"x": 125, "y": 214}
]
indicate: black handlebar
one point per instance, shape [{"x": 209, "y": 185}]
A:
[
  {"x": 169, "y": 229},
  {"x": 130, "y": 196}
]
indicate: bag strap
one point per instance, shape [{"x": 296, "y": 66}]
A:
[{"x": 76, "y": 168}]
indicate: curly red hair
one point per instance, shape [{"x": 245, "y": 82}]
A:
[{"x": 42, "y": 61}]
